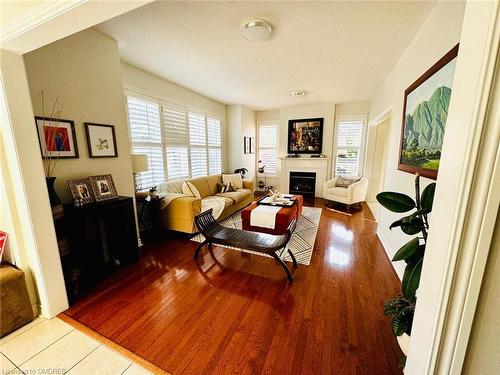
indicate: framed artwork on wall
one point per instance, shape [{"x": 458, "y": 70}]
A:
[
  {"x": 57, "y": 137},
  {"x": 252, "y": 145},
  {"x": 305, "y": 136},
  {"x": 103, "y": 187},
  {"x": 425, "y": 109},
  {"x": 101, "y": 140},
  {"x": 81, "y": 189}
]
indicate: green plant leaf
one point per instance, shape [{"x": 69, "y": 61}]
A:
[
  {"x": 406, "y": 250},
  {"x": 396, "y": 202},
  {"x": 417, "y": 255},
  {"x": 411, "y": 278},
  {"x": 428, "y": 196}
]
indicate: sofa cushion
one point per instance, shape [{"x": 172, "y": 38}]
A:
[
  {"x": 212, "y": 181},
  {"x": 235, "y": 178},
  {"x": 201, "y": 185},
  {"x": 237, "y": 196},
  {"x": 338, "y": 191}
]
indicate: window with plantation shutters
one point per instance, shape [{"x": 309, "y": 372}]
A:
[
  {"x": 145, "y": 133},
  {"x": 179, "y": 143},
  {"x": 268, "y": 146},
  {"x": 175, "y": 130},
  {"x": 350, "y": 142},
  {"x": 214, "y": 146}
]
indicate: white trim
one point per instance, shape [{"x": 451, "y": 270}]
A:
[
  {"x": 384, "y": 115},
  {"x": 399, "y": 267},
  {"x": 473, "y": 238},
  {"x": 35, "y": 17}
]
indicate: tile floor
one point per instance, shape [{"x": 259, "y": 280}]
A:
[{"x": 54, "y": 347}]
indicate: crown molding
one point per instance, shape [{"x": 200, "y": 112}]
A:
[{"x": 35, "y": 17}]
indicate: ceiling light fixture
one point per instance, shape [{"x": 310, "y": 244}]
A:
[
  {"x": 297, "y": 93},
  {"x": 256, "y": 30}
]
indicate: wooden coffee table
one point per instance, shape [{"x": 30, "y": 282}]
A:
[{"x": 283, "y": 218}]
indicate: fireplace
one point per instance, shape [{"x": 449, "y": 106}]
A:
[{"x": 303, "y": 183}]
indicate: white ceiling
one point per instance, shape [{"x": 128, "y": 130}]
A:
[{"x": 337, "y": 51}]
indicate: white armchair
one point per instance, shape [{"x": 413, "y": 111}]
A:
[{"x": 354, "y": 193}]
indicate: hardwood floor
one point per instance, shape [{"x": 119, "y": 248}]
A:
[{"x": 238, "y": 314}]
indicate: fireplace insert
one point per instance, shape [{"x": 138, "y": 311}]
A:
[{"x": 303, "y": 183}]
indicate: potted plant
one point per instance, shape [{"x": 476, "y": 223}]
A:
[
  {"x": 402, "y": 307},
  {"x": 241, "y": 171}
]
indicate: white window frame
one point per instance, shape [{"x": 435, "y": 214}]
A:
[
  {"x": 362, "y": 148},
  {"x": 143, "y": 95},
  {"x": 257, "y": 146}
]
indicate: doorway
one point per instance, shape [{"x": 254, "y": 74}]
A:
[{"x": 378, "y": 142}]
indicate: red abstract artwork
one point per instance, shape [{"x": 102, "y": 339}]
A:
[{"x": 56, "y": 138}]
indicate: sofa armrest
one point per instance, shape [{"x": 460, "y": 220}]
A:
[
  {"x": 248, "y": 184},
  {"x": 179, "y": 214},
  {"x": 358, "y": 190},
  {"x": 330, "y": 183}
]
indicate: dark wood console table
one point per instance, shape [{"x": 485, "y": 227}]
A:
[{"x": 102, "y": 238}]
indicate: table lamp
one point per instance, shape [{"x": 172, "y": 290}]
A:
[{"x": 139, "y": 164}]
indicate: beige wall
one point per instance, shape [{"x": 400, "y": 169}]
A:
[
  {"x": 240, "y": 123},
  {"x": 27, "y": 214},
  {"x": 483, "y": 351},
  {"x": 84, "y": 70},
  {"x": 438, "y": 35}
]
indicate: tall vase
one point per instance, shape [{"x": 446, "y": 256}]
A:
[{"x": 53, "y": 198}]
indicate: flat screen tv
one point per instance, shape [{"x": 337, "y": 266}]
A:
[{"x": 305, "y": 136}]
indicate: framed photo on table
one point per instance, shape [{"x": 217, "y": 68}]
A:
[
  {"x": 81, "y": 189},
  {"x": 57, "y": 137},
  {"x": 101, "y": 140},
  {"x": 103, "y": 187}
]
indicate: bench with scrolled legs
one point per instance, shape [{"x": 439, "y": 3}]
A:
[{"x": 216, "y": 234}]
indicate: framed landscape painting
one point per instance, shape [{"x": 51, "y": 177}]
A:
[{"x": 425, "y": 111}]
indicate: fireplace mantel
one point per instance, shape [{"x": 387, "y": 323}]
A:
[{"x": 321, "y": 166}]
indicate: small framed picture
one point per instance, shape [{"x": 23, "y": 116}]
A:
[
  {"x": 81, "y": 189},
  {"x": 246, "y": 145},
  {"x": 252, "y": 145},
  {"x": 101, "y": 140},
  {"x": 57, "y": 137},
  {"x": 103, "y": 187}
]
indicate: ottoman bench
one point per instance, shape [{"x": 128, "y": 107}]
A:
[{"x": 283, "y": 218}]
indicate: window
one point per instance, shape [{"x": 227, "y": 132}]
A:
[
  {"x": 145, "y": 132},
  {"x": 179, "y": 143},
  {"x": 268, "y": 146},
  {"x": 350, "y": 141}
]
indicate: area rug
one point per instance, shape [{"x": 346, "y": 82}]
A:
[{"x": 301, "y": 244}]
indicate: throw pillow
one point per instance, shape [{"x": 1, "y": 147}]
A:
[
  {"x": 235, "y": 178},
  {"x": 194, "y": 190},
  {"x": 225, "y": 188},
  {"x": 345, "y": 182}
]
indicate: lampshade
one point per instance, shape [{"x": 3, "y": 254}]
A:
[{"x": 139, "y": 163}]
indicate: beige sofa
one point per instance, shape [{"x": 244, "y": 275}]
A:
[{"x": 179, "y": 214}]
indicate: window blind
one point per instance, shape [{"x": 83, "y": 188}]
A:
[
  {"x": 179, "y": 143},
  {"x": 268, "y": 144},
  {"x": 145, "y": 133},
  {"x": 349, "y": 143}
]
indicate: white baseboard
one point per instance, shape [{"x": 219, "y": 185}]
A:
[{"x": 399, "y": 267}]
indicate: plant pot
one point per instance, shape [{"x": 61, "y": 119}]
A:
[
  {"x": 404, "y": 343},
  {"x": 53, "y": 197}
]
